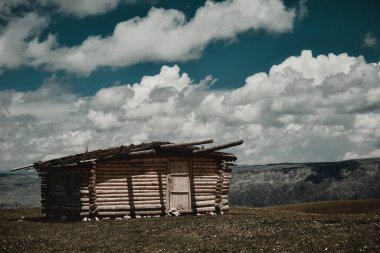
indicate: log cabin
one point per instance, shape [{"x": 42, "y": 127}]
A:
[{"x": 137, "y": 180}]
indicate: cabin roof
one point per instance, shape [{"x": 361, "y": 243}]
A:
[{"x": 191, "y": 149}]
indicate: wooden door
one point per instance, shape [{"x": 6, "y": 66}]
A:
[{"x": 179, "y": 185}]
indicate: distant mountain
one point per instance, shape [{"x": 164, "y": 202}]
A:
[
  {"x": 19, "y": 189},
  {"x": 276, "y": 184}
]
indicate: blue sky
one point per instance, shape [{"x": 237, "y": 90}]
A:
[
  {"x": 71, "y": 74},
  {"x": 329, "y": 27}
]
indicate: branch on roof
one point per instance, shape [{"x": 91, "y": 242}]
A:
[
  {"x": 173, "y": 145},
  {"x": 142, "y": 152},
  {"x": 26, "y": 167},
  {"x": 227, "y": 145}
]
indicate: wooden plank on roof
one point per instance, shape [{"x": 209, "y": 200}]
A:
[
  {"x": 174, "y": 145},
  {"x": 227, "y": 145}
]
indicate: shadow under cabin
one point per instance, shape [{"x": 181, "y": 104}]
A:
[{"x": 150, "y": 179}]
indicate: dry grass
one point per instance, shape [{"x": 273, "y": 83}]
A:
[
  {"x": 334, "y": 207},
  {"x": 284, "y": 229}
]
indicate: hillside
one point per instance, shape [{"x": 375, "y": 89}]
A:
[
  {"x": 19, "y": 189},
  {"x": 279, "y": 229},
  {"x": 278, "y": 184}
]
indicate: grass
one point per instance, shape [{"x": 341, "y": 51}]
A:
[
  {"x": 334, "y": 207},
  {"x": 291, "y": 228}
]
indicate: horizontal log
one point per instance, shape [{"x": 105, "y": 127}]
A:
[
  {"x": 204, "y": 197},
  {"x": 131, "y": 167},
  {"x": 134, "y": 195},
  {"x": 137, "y": 212},
  {"x": 126, "y": 168},
  {"x": 204, "y": 191},
  {"x": 127, "y": 202},
  {"x": 213, "y": 176},
  {"x": 202, "y": 162},
  {"x": 133, "y": 192},
  {"x": 132, "y": 163},
  {"x": 204, "y": 203},
  {"x": 127, "y": 173},
  {"x": 204, "y": 187},
  {"x": 132, "y": 180},
  {"x": 131, "y": 172},
  {"x": 101, "y": 207},
  {"x": 126, "y": 184},
  {"x": 134, "y": 160},
  {"x": 213, "y": 182},
  {"x": 200, "y": 184},
  {"x": 204, "y": 194},
  {"x": 133, "y": 187},
  {"x": 203, "y": 174},
  {"x": 135, "y": 199},
  {"x": 205, "y": 162},
  {"x": 204, "y": 209},
  {"x": 205, "y": 167},
  {"x": 137, "y": 178}
]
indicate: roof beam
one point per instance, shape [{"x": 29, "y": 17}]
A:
[
  {"x": 227, "y": 145},
  {"x": 174, "y": 145},
  {"x": 26, "y": 167}
]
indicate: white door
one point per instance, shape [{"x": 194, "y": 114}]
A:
[{"x": 179, "y": 185}]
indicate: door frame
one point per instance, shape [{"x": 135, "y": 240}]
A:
[{"x": 167, "y": 204}]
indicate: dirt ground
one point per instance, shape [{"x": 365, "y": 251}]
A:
[{"x": 241, "y": 230}]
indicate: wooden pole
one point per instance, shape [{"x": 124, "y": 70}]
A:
[
  {"x": 173, "y": 145},
  {"x": 227, "y": 145},
  {"x": 26, "y": 167}
]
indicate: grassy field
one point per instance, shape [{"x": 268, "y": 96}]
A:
[{"x": 348, "y": 226}]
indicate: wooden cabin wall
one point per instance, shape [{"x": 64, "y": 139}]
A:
[
  {"x": 131, "y": 187},
  {"x": 139, "y": 186},
  {"x": 210, "y": 188},
  {"x": 61, "y": 191},
  {"x": 44, "y": 190},
  {"x": 225, "y": 179}
]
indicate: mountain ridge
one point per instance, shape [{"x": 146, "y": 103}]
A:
[{"x": 289, "y": 183}]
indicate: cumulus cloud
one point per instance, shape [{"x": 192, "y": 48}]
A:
[
  {"x": 369, "y": 40},
  {"x": 163, "y": 35},
  {"x": 14, "y": 39},
  {"x": 305, "y": 109}
]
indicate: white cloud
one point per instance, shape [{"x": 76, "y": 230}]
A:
[
  {"x": 82, "y": 8},
  {"x": 14, "y": 39},
  {"x": 370, "y": 40},
  {"x": 305, "y": 109},
  {"x": 353, "y": 155},
  {"x": 7, "y": 7},
  {"x": 163, "y": 35}
]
